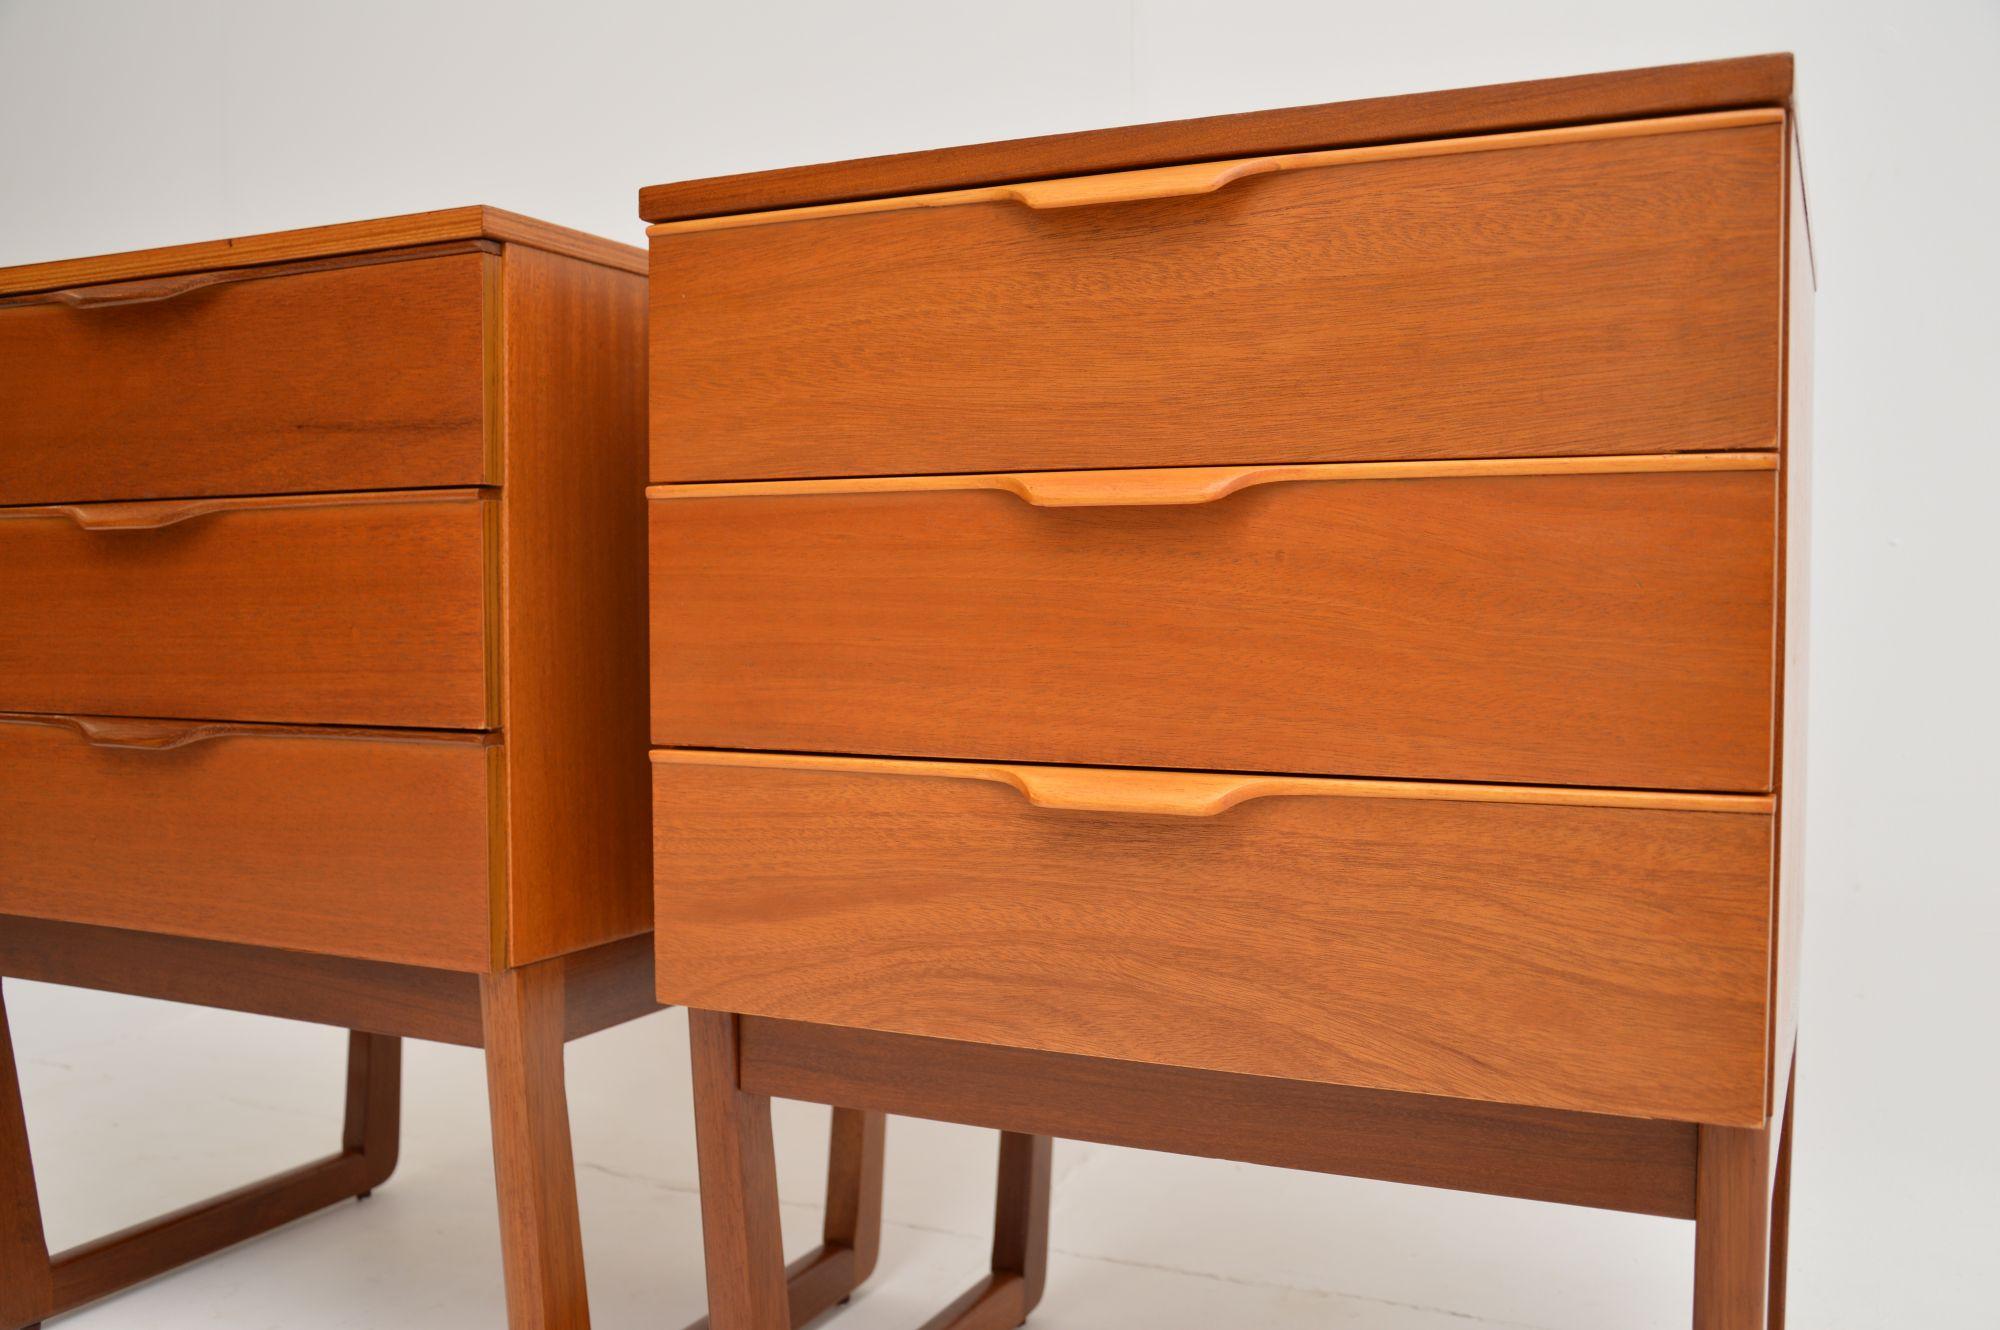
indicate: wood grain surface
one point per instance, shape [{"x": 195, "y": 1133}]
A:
[
  {"x": 441, "y": 226},
  {"x": 573, "y": 603},
  {"x": 381, "y": 997},
  {"x": 345, "y": 378},
  {"x": 362, "y": 609},
  {"x": 1193, "y": 178},
  {"x": 1606, "y": 960},
  {"x": 541, "y": 1235},
  {"x": 1733, "y": 1228},
  {"x": 1607, "y": 296},
  {"x": 1466, "y": 629},
  {"x": 1633, "y": 1164},
  {"x": 603, "y": 986},
  {"x": 1762, "y": 80},
  {"x": 368, "y": 846},
  {"x": 741, "y": 1236}
]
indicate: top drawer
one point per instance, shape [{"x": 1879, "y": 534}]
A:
[
  {"x": 367, "y": 376},
  {"x": 1595, "y": 290}
]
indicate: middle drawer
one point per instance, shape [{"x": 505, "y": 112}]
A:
[
  {"x": 339, "y": 609},
  {"x": 1603, "y": 622}
]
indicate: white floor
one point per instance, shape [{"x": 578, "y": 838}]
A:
[{"x": 136, "y": 1107}]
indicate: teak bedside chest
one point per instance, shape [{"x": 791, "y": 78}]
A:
[
  {"x": 1275, "y": 637},
  {"x": 322, "y": 570}
]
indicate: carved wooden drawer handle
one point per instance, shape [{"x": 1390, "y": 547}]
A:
[
  {"x": 1162, "y": 182},
  {"x": 1142, "y": 488},
  {"x": 133, "y": 516},
  {"x": 156, "y": 735},
  {"x": 1163, "y": 793},
  {"x": 1205, "y": 793},
  {"x": 145, "y": 292},
  {"x": 154, "y": 514},
  {"x": 1160, "y": 486},
  {"x": 153, "y": 735}
]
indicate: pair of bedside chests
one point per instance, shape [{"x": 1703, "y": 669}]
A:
[{"x": 1276, "y": 637}]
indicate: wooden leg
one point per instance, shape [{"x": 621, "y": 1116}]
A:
[
  {"x": 851, "y": 1240},
  {"x": 735, "y": 1145},
  {"x": 374, "y": 1126},
  {"x": 1781, "y": 1205},
  {"x": 541, "y": 1238},
  {"x": 1732, "y": 1233},
  {"x": 1003, "y": 1299},
  {"x": 1021, "y": 1214},
  {"x": 26, "y": 1292},
  {"x": 747, "y": 1286},
  {"x": 741, "y": 1240},
  {"x": 854, "y": 1160},
  {"x": 36, "y": 1285},
  {"x": 1743, "y": 1189}
]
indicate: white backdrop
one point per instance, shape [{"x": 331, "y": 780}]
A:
[{"x": 125, "y": 125}]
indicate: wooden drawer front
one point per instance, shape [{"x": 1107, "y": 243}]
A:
[
  {"x": 1566, "y": 295},
  {"x": 342, "y": 843},
  {"x": 329, "y": 610},
  {"x": 1605, "y": 958},
  {"x": 1573, "y": 629},
  {"x": 357, "y": 377}
]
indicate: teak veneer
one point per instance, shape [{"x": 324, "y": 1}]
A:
[
  {"x": 1276, "y": 637},
  {"x": 1633, "y": 94},
  {"x": 356, "y": 609},
  {"x": 248, "y": 381},
  {"x": 1605, "y": 959},
  {"x": 1326, "y": 307},
  {"x": 322, "y": 694},
  {"x": 1435, "y": 627}
]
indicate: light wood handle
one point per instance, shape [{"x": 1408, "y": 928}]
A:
[
  {"x": 1202, "y": 793},
  {"x": 1141, "y": 488},
  {"x": 1155, "y": 486},
  {"x": 153, "y": 514},
  {"x": 152, "y": 735},
  {"x": 131, "y": 732},
  {"x": 1163, "y": 182},
  {"x": 133, "y": 516},
  {"x": 144, "y": 292},
  {"x": 1158, "y": 793}
]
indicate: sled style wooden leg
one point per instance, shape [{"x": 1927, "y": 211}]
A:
[
  {"x": 25, "y": 1288},
  {"x": 541, "y": 1237},
  {"x": 851, "y": 1238},
  {"x": 1742, "y": 1209},
  {"x": 34, "y": 1285},
  {"x": 741, "y": 1243},
  {"x": 1003, "y": 1299},
  {"x": 749, "y": 1288},
  {"x": 374, "y": 1125}
]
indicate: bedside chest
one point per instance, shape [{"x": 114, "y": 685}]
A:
[
  {"x": 321, "y": 690},
  {"x": 1274, "y": 637}
]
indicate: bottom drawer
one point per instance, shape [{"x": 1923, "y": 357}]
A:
[
  {"x": 344, "y": 842},
  {"x": 1595, "y": 950}
]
